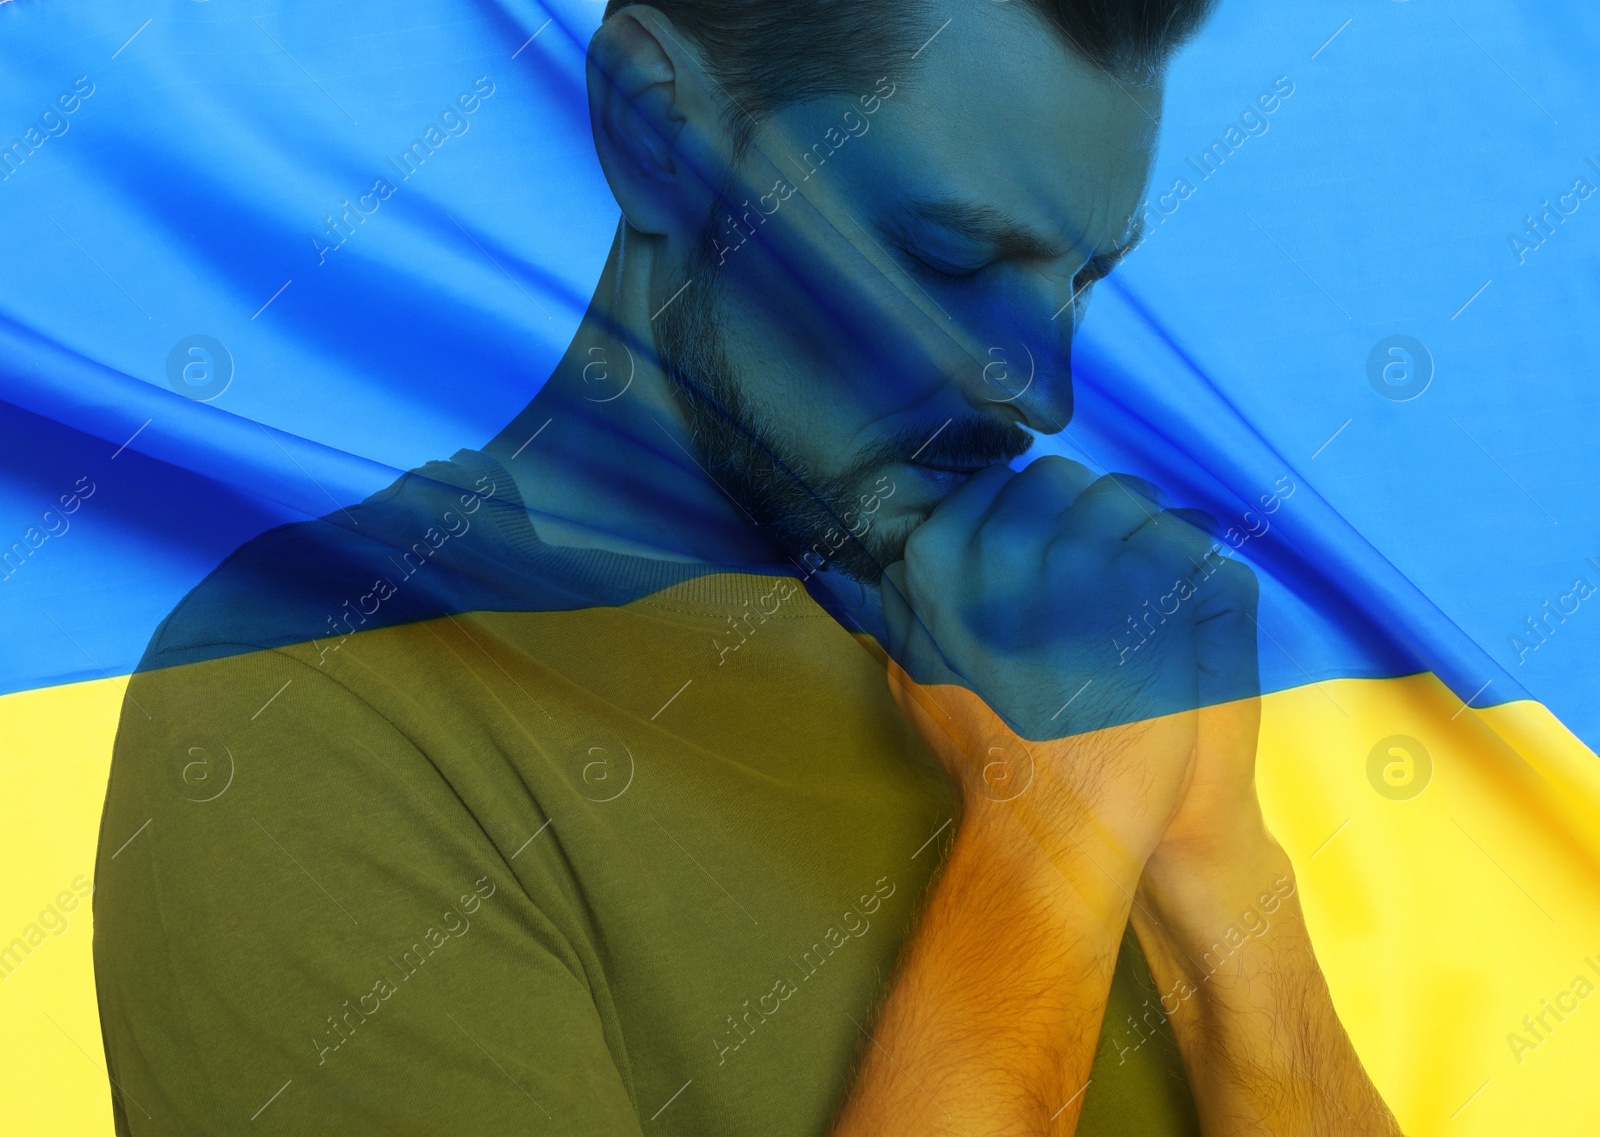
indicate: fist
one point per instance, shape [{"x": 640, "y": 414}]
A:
[{"x": 1087, "y": 623}]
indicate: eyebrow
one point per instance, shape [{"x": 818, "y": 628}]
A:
[{"x": 988, "y": 225}]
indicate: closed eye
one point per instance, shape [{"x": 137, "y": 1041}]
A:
[
  {"x": 937, "y": 268},
  {"x": 1096, "y": 269},
  {"x": 946, "y": 272}
]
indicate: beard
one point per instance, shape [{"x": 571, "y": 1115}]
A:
[{"x": 816, "y": 520}]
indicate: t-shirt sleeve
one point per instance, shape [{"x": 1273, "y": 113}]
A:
[{"x": 300, "y": 928}]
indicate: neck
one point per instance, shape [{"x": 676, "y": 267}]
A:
[{"x": 603, "y": 454}]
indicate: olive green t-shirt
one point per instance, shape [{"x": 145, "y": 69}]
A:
[{"x": 417, "y": 825}]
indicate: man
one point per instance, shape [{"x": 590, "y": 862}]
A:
[{"x": 736, "y": 743}]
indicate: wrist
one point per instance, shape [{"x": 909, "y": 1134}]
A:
[
  {"x": 1082, "y": 801},
  {"x": 1202, "y": 914},
  {"x": 1206, "y": 877},
  {"x": 1067, "y": 860}
]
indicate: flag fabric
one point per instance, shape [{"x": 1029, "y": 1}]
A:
[{"x": 261, "y": 261}]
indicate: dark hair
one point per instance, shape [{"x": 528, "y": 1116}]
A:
[{"x": 767, "y": 54}]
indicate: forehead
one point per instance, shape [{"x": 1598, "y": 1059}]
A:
[{"x": 995, "y": 111}]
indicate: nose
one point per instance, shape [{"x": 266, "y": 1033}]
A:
[{"x": 1027, "y": 377}]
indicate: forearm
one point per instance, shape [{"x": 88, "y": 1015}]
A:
[
  {"x": 991, "y": 1021},
  {"x": 1263, "y": 1046}
]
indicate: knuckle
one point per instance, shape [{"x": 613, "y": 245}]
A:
[
  {"x": 1133, "y": 483},
  {"x": 1165, "y": 539},
  {"x": 922, "y": 547},
  {"x": 1056, "y": 467},
  {"x": 916, "y": 543},
  {"x": 999, "y": 534},
  {"x": 1180, "y": 525},
  {"x": 1233, "y": 581},
  {"x": 1240, "y": 579},
  {"x": 1065, "y": 549}
]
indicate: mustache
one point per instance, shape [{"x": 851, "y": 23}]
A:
[{"x": 961, "y": 443}]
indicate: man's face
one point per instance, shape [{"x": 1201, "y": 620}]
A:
[{"x": 888, "y": 296}]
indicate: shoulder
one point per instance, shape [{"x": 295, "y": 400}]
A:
[{"x": 414, "y": 550}]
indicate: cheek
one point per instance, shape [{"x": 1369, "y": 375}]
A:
[
  {"x": 814, "y": 409},
  {"x": 818, "y": 306},
  {"x": 785, "y": 356}
]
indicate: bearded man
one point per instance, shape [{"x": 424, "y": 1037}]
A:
[{"x": 738, "y": 743}]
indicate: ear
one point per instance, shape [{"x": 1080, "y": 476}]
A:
[{"x": 652, "y": 116}]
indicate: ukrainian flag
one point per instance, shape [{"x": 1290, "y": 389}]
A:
[{"x": 1355, "y": 333}]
